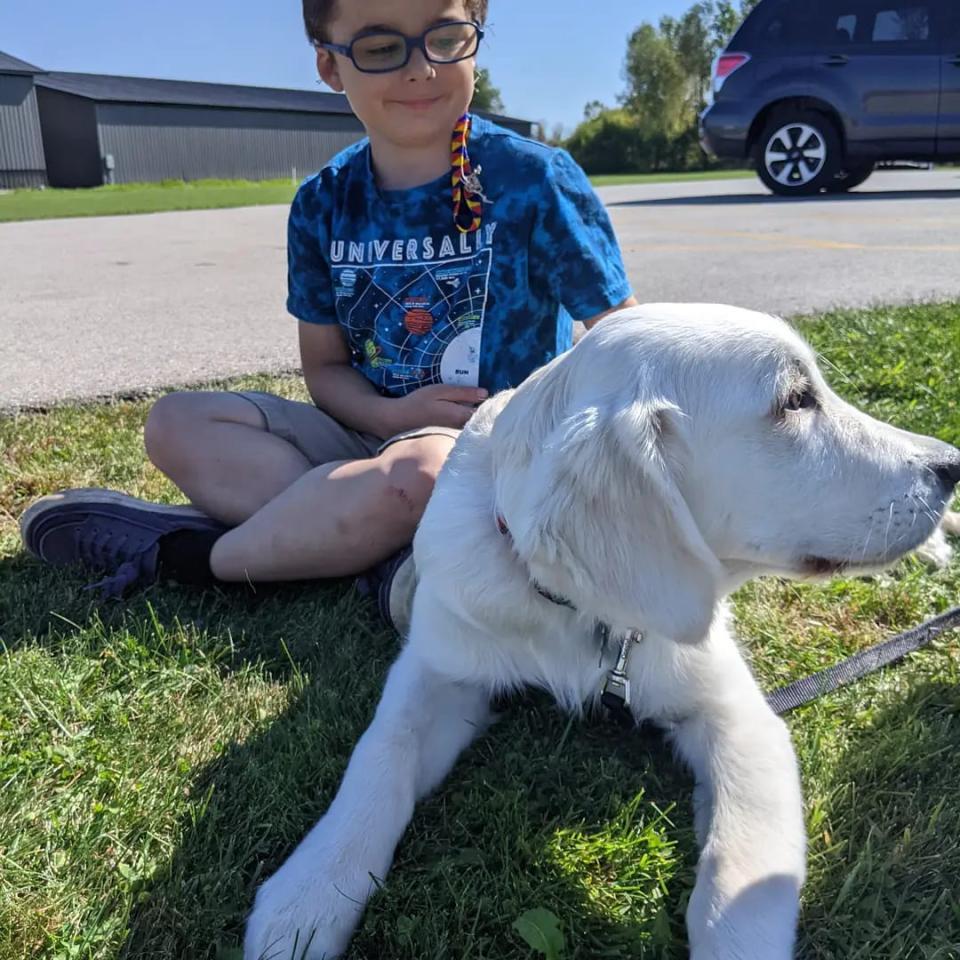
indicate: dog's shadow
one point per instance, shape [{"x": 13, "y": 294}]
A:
[
  {"x": 533, "y": 815},
  {"x": 584, "y": 819},
  {"x": 576, "y": 817},
  {"x": 766, "y": 199},
  {"x": 885, "y": 848}
]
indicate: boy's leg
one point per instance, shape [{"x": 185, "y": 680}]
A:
[
  {"x": 217, "y": 448},
  {"x": 248, "y": 459},
  {"x": 338, "y": 519},
  {"x": 233, "y": 454}
]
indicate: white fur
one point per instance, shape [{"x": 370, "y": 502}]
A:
[{"x": 643, "y": 476}]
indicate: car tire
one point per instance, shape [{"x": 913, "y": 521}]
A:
[
  {"x": 850, "y": 177},
  {"x": 798, "y": 152}
]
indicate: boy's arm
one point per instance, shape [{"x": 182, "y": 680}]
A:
[
  {"x": 335, "y": 386},
  {"x": 348, "y": 396},
  {"x": 631, "y": 301}
]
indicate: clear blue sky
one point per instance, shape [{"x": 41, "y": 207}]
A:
[{"x": 548, "y": 57}]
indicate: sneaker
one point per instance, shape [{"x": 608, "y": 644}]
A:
[
  {"x": 106, "y": 531},
  {"x": 391, "y": 585}
]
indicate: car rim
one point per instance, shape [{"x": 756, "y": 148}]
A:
[{"x": 795, "y": 154}]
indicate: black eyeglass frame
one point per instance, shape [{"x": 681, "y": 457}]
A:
[{"x": 410, "y": 44}]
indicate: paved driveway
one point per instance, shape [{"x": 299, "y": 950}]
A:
[
  {"x": 894, "y": 240},
  {"x": 121, "y": 304}
]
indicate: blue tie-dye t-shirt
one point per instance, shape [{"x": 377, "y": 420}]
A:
[{"x": 422, "y": 303}]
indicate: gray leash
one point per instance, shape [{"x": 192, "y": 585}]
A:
[{"x": 860, "y": 664}]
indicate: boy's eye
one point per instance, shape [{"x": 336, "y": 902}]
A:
[{"x": 380, "y": 48}]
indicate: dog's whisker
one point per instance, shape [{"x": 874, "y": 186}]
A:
[
  {"x": 886, "y": 531},
  {"x": 925, "y": 507},
  {"x": 866, "y": 541}
]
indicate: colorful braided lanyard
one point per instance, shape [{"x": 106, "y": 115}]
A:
[{"x": 468, "y": 195}]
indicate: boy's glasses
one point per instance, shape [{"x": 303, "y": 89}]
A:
[{"x": 382, "y": 51}]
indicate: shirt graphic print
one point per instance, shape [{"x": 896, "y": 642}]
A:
[{"x": 416, "y": 306}]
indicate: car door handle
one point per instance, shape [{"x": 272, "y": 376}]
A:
[
  {"x": 955, "y": 60},
  {"x": 836, "y": 60}
]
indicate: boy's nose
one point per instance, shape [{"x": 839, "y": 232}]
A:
[{"x": 419, "y": 66}]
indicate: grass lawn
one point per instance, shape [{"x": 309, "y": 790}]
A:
[
  {"x": 213, "y": 194},
  {"x": 143, "y": 198},
  {"x": 616, "y": 179},
  {"x": 160, "y": 757}
]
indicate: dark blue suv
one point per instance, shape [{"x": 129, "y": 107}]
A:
[{"x": 815, "y": 92}]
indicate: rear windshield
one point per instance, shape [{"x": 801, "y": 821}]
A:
[{"x": 775, "y": 24}]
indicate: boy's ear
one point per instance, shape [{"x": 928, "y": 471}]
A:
[{"x": 328, "y": 70}]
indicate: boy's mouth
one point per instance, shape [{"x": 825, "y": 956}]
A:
[{"x": 424, "y": 103}]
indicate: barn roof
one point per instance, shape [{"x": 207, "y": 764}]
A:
[
  {"x": 11, "y": 64},
  {"x": 103, "y": 88}
]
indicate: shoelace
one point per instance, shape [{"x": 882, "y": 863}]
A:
[
  {"x": 127, "y": 575},
  {"x": 138, "y": 559}
]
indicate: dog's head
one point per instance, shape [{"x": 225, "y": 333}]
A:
[{"x": 681, "y": 448}]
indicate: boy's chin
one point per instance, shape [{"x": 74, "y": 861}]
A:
[{"x": 422, "y": 128}]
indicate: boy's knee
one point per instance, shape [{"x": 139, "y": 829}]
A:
[
  {"x": 170, "y": 433},
  {"x": 411, "y": 472},
  {"x": 166, "y": 427}
]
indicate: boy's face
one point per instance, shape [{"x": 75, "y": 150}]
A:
[{"x": 417, "y": 105}]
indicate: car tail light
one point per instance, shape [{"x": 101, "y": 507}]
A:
[{"x": 724, "y": 65}]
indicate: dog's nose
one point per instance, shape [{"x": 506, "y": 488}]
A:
[{"x": 948, "y": 469}]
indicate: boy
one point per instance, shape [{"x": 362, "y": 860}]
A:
[{"x": 430, "y": 264}]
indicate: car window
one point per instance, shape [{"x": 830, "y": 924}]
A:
[
  {"x": 787, "y": 24},
  {"x": 873, "y": 22},
  {"x": 900, "y": 24}
]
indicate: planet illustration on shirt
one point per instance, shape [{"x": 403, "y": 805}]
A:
[{"x": 418, "y": 322}]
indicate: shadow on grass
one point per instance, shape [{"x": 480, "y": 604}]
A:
[
  {"x": 561, "y": 794},
  {"x": 740, "y": 199},
  {"x": 533, "y": 816},
  {"x": 494, "y": 842},
  {"x": 884, "y": 873}
]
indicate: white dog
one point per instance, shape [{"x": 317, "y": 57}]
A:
[{"x": 676, "y": 452}]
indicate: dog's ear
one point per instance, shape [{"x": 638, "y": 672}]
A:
[{"x": 595, "y": 512}]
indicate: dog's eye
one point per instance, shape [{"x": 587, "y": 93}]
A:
[{"x": 801, "y": 400}]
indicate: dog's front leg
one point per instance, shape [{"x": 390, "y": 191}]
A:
[
  {"x": 310, "y": 906},
  {"x": 752, "y": 865}
]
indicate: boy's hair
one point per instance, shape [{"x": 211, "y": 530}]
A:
[{"x": 317, "y": 14}]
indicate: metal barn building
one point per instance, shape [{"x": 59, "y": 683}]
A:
[
  {"x": 21, "y": 147},
  {"x": 100, "y": 129},
  {"x": 84, "y": 130}
]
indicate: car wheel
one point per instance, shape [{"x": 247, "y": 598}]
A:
[
  {"x": 850, "y": 177},
  {"x": 798, "y": 153}
]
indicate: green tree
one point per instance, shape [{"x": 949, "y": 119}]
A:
[
  {"x": 657, "y": 97},
  {"x": 485, "y": 95},
  {"x": 606, "y": 142},
  {"x": 668, "y": 74}
]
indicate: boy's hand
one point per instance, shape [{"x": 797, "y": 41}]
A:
[{"x": 437, "y": 405}]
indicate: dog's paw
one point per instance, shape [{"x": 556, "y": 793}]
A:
[
  {"x": 936, "y": 551},
  {"x": 305, "y": 912},
  {"x": 733, "y": 915}
]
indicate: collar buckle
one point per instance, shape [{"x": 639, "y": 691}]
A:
[{"x": 615, "y": 695}]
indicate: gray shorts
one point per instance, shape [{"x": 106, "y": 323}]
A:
[{"x": 321, "y": 438}]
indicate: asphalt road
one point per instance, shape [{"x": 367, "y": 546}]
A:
[{"x": 100, "y": 306}]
